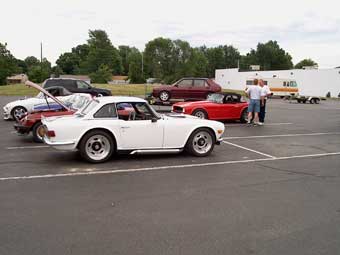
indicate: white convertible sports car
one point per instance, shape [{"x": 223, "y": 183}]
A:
[
  {"x": 109, "y": 125},
  {"x": 19, "y": 108}
]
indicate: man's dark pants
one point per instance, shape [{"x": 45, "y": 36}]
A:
[{"x": 262, "y": 113}]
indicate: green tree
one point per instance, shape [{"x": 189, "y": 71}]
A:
[
  {"x": 198, "y": 63},
  {"x": 124, "y": 53},
  {"x": 135, "y": 67},
  {"x": 31, "y": 61},
  {"x": 180, "y": 65},
  {"x": 39, "y": 71},
  {"x": 216, "y": 59},
  {"x": 69, "y": 63},
  {"x": 56, "y": 71},
  {"x": 231, "y": 56},
  {"x": 158, "y": 57},
  {"x": 270, "y": 56},
  {"x": 8, "y": 64},
  {"x": 102, "y": 75},
  {"x": 305, "y": 62},
  {"x": 102, "y": 52}
]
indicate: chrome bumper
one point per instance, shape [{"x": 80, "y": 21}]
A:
[{"x": 67, "y": 145}]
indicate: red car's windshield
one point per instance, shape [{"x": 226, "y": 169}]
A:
[{"x": 216, "y": 98}]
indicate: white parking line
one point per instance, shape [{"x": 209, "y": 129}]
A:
[
  {"x": 248, "y": 149},
  {"x": 27, "y": 147},
  {"x": 267, "y": 124},
  {"x": 283, "y": 135},
  {"x": 101, "y": 172}
]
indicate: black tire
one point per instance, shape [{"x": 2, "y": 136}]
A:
[
  {"x": 85, "y": 146},
  {"x": 194, "y": 142},
  {"x": 316, "y": 101},
  {"x": 16, "y": 110},
  {"x": 200, "y": 113},
  {"x": 299, "y": 101},
  {"x": 311, "y": 101},
  {"x": 304, "y": 101},
  {"x": 244, "y": 116},
  {"x": 35, "y": 132},
  {"x": 164, "y": 96}
]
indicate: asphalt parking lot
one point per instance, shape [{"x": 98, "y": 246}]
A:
[{"x": 265, "y": 190}]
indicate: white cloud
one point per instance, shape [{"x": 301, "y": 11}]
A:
[{"x": 304, "y": 28}]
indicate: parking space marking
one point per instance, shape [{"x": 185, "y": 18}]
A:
[
  {"x": 283, "y": 135},
  {"x": 102, "y": 172},
  {"x": 248, "y": 149},
  {"x": 267, "y": 124},
  {"x": 27, "y": 147}
]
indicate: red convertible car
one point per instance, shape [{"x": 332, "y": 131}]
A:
[{"x": 218, "y": 106}]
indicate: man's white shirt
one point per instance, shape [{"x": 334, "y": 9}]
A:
[
  {"x": 265, "y": 91},
  {"x": 255, "y": 92}
]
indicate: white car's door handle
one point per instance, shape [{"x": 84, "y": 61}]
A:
[{"x": 124, "y": 127}]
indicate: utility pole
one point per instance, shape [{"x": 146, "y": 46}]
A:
[
  {"x": 145, "y": 86},
  {"x": 41, "y": 63}
]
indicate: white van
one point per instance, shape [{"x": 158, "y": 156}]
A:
[{"x": 278, "y": 86}]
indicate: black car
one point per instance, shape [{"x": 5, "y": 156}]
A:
[{"x": 76, "y": 86}]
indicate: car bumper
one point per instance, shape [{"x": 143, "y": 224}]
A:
[
  {"x": 21, "y": 129},
  {"x": 219, "y": 140},
  {"x": 7, "y": 115},
  {"x": 65, "y": 145}
]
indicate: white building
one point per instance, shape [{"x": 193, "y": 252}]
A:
[{"x": 312, "y": 82}]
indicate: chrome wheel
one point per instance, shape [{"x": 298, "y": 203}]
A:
[
  {"x": 98, "y": 147},
  {"x": 202, "y": 142},
  {"x": 40, "y": 132},
  {"x": 200, "y": 114},
  {"x": 164, "y": 96},
  {"x": 19, "y": 112}
]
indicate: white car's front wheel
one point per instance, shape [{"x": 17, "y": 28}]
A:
[
  {"x": 96, "y": 146},
  {"x": 18, "y": 112},
  {"x": 201, "y": 142}
]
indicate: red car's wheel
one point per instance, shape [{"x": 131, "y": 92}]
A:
[
  {"x": 200, "y": 113},
  {"x": 244, "y": 116},
  {"x": 164, "y": 96}
]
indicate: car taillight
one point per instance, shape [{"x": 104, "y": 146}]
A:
[{"x": 50, "y": 133}]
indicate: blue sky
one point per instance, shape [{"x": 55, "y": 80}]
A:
[{"x": 306, "y": 29}]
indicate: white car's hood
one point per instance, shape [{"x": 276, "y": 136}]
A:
[
  {"x": 180, "y": 116},
  {"x": 23, "y": 102}
]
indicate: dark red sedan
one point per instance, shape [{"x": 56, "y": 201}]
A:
[
  {"x": 218, "y": 106},
  {"x": 187, "y": 89}
]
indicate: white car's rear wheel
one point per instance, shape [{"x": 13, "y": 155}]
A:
[
  {"x": 96, "y": 146},
  {"x": 201, "y": 142},
  {"x": 38, "y": 132}
]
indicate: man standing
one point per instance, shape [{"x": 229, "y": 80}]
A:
[
  {"x": 255, "y": 95},
  {"x": 265, "y": 92}
]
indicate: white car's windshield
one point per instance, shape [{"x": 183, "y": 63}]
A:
[
  {"x": 91, "y": 105},
  {"x": 216, "y": 98},
  {"x": 40, "y": 95},
  {"x": 77, "y": 101}
]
